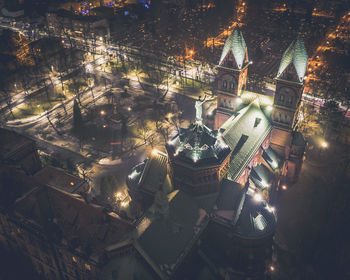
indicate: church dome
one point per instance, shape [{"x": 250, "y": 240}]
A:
[{"x": 198, "y": 145}]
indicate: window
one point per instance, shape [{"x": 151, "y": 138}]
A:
[
  {"x": 224, "y": 84},
  {"x": 87, "y": 266},
  {"x": 232, "y": 86},
  {"x": 282, "y": 97},
  {"x": 290, "y": 100},
  {"x": 278, "y": 117}
]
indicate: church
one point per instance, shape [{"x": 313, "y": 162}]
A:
[{"x": 206, "y": 205}]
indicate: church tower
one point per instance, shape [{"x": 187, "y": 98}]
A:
[
  {"x": 289, "y": 90},
  {"x": 232, "y": 76}
]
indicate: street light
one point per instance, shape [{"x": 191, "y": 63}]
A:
[
  {"x": 102, "y": 112},
  {"x": 324, "y": 144},
  {"x": 284, "y": 187}
]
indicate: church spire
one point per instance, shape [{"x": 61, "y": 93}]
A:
[
  {"x": 294, "y": 55},
  {"x": 236, "y": 44}
]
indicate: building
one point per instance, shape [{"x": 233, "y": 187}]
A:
[
  {"x": 280, "y": 125},
  {"x": 46, "y": 214},
  {"x": 198, "y": 159},
  {"x": 217, "y": 219},
  {"x": 19, "y": 150},
  {"x": 58, "y": 178},
  {"x": 63, "y": 234},
  {"x": 63, "y": 22},
  {"x": 232, "y": 76}
]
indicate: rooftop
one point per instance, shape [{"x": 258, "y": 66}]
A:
[
  {"x": 272, "y": 158},
  {"x": 69, "y": 217},
  {"x": 295, "y": 54},
  {"x": 235, "y": 43},
  {"x": 228, "y": 200},
  {"x": 151, "y": 174},
  {"x": 244, "y": 132},
  {"x": 257, "y": 219},
  {"x": 11, "y": 142},
  {"x": 198, "y": 145},
  {"x": 171, "y": 232},
  {"x": 56, "y": 177},
  {"x": 261, "y": 176}
]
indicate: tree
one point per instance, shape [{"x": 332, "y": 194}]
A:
[
  {"x": 331, "y": 118},
  {"x": 78, "y": 123},
  {"x": 108, "y": 185},
  {"x": 75, "y": 86}
]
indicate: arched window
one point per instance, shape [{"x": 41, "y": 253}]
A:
[
  {"x": 278, "y": 117},
  {"x": 290, "y": 100},
  {"x": 232, "y": 85},
  {"x": 288, "y": 120},
  {"x": 281, "y": 97},
  {"x": 224, "y": 84}
]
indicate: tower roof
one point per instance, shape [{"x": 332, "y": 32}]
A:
[
  {"x": 235, "y": 43},
  {"x": 296, "y": 54}
]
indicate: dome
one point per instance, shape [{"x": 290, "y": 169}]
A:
[{"x": 198, "y": 145}]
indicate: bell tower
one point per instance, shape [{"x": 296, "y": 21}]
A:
[
  {"x": 231, "y": 77},
  {"x": 289, "y": 90}
]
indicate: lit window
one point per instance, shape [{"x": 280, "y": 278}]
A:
[
  {"x": 224, "y": 84},
  {"x": 87, "y": 266},
  {"x": 204, "y": 147},
  {"x": 188, "y": 146}
]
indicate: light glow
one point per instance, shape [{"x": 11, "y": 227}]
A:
[
  {"x": 258, "y": 197},
  {"x": 154, "y": 152},
  {"x": 284, "y": 187},
  {"x": 324, "y": 144}
]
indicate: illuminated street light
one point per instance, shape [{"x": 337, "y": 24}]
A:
[
  {"x": 102, "y": 112},
  {"x": 124, "y": 204},
  {"x": 129, "y": 109},
  {"x": 154, "y": 152},
  {"x": 272, "y": 268},
  {"x": 284, "y": 187},
  {"x": 324, "y": 144}
]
